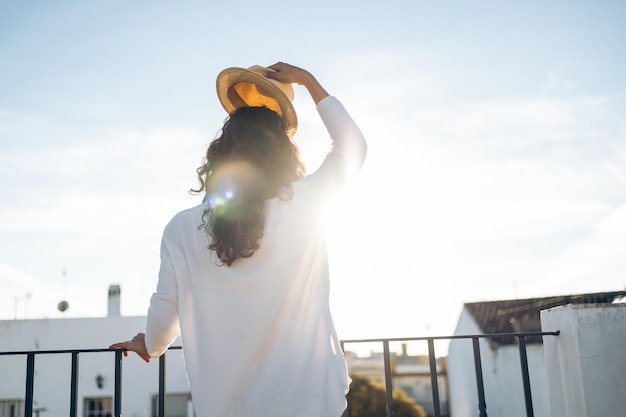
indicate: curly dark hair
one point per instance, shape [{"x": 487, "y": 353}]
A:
[{"x": 250, "y": 162}]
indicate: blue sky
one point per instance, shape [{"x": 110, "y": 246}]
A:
[{"x": 496, "y": 130}]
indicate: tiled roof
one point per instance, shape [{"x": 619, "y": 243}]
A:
[{"x": 522, "y": 315}]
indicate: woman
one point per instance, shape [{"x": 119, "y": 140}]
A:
[{"x": 244, "y": 276}]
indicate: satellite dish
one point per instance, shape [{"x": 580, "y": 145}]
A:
[{"x": 63, "y": 305}]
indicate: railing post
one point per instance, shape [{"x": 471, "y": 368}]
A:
[
  {"x": 74, "y": 385},
  {"x": 162, "y": 385},
  {"x": 482, "y": 404},
  {"x": 30, "y": 384},
  {"x": 525, "y": 377},
  {"x": 433, "y": 377},
  {"x": 388, "y": 383},
  {"x": 117, "y": 407}
]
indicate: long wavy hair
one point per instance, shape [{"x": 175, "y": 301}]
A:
[{"x": 251, "y": 161}]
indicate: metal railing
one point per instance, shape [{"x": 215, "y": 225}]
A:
[
  {"x": 482, "y": 405},
  {"x": 117, "y": 395}
]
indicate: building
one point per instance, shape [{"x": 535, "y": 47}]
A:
[
  {"x": 410, "y": 373},
  {"x": 500, "y": 356},
  {"x": 96, "y": 378}
]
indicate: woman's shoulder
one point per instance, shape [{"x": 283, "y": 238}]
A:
[{"x": 188, "y": 217}]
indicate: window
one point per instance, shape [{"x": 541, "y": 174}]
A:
[
  {"x": 98, "y": 407},
  {"x": 11, "y": 408},
  {"x": 176, "y": 405}
]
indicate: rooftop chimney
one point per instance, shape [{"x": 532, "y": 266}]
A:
[{"x": 114, "y": 301}]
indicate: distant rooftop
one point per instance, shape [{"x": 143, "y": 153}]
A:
[{"x": 523, "y": 315}]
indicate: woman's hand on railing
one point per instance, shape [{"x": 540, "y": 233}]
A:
[{"x": 137, "y": 345}]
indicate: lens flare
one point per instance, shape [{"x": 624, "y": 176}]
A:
[{"x": 230, "y": 182}]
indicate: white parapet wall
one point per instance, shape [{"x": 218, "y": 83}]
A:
[{"x": 586, "y": 363}]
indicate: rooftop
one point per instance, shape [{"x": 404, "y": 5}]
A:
[{"x": 523, "y": 315}]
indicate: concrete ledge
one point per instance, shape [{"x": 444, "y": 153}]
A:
[{"x": 586, "y": 364}]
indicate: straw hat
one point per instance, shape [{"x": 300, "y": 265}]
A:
[{"x": 238, "y": 87}]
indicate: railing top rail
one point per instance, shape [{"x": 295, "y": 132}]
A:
[
  {"x": 464, "y": 336},
  {"x": 348, "y": 341},
  {"x": 54, "y": 351},
  {"x": 25, "y": 352}
]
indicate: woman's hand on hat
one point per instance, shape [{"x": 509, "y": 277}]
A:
[{"x": 286, "y": 73}]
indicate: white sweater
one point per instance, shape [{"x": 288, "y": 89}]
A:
[{"x": 258, "y": 337}]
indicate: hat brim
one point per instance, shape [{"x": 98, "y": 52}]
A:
[{"x": 232, "y": 81}]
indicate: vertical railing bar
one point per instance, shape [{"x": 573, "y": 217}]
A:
[
  {"x": 525, "y": 377},
  {"x": 162, "y": 386},
  {"x": 30, "y": 384},
  {"x": 74, "y": 385},
  {"x": 388, "y": 383},
  {"x": 482, "y": 405},
  {"x": 117, "y": 409},
  {"x": 433, "y": 377}
]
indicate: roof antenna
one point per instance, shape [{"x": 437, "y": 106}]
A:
[{"x": 63, "y": 305}]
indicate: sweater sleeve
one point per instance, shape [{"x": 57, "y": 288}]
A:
[
  {"x": 162, "y": 325},
  {"x": 348, "y": 149}
]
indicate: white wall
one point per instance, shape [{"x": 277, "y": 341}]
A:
[
  {"x": 586, "y": 364},
  {"x": 502, "y": 377},
  {"x": 461, "y": 376},
  {"x": 503, "y": 382},
  {"x": 52, "y": 372}
]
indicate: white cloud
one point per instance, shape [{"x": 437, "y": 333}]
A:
[
  {"x": 556, "y": 82},
  {"x": 617, "y": 166},
  {"x": 11, "y": 121},
  {"x": 594, "y": 262},
  {"x": 21, "y": 293},
  {"x": 486, "y": 198},
  {"x": 112, "y": 180},
  {"x": 511, "y": 125},
  {"x": 12, "y": 276},
  {"x": 96, "y": 205}
]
